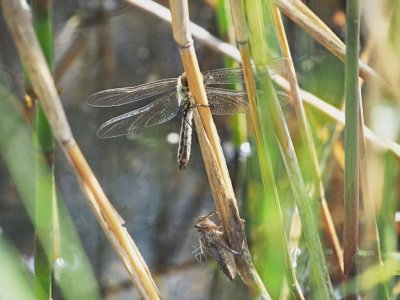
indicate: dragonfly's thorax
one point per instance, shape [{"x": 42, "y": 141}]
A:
[{"x": 182, "y": 89}]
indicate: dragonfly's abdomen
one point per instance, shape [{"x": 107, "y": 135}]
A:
[{"x": 185, "y": 141}]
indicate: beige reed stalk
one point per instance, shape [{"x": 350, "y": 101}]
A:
[
  {"x": 17, "y": 15},
  {"x": 217, "y": 171}
]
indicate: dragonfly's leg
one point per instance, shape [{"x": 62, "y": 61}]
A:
[
  {"x": 199, "y": 254},
  {"x": 188, "y": 122},
  {"x": 198, "y": 104}
]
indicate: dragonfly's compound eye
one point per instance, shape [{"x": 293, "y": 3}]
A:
[{"x": 184, "y": 80}]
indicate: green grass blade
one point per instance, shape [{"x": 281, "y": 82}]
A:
[
  {"x": 269, "y": 248},
  {"x": 15, "y": 282},
  {"x": 18, "y": 155},
  {"x": 44, "y": 173},
  {"x": 271, "y": 117},
  {"x": 386, "y": 223},
  {"x": 238, "y": 121}
]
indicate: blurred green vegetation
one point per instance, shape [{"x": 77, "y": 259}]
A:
[{"x": 271, "y": 207}]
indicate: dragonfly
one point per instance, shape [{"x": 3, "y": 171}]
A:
[
  {"x": 173, "y": 99},
  {"x": 212, "y": 242}
]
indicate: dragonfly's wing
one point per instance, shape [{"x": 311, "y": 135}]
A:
[
  {"x": 121, "y": 96},
  {"x": 226, "y": 102},
  {"x": 283, "y": 98},
  {"x": 223, "y": 76},
  {"x": 157, "y": 112},
  {"x": 235, "y": 75}
]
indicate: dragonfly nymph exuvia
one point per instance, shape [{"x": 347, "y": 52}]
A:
[{"x": 174, "y": 100}]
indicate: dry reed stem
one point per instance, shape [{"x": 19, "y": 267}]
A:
[
  {"x": 239, "y": 22},
  {"x": 308, "y": 139},
  {"x": 112, "y": 224},
  {"x": 197, "y": 31},
  {"x": 306, "y": 19},
  {"x": 214, "y": 160},
  {"x": 338, "y": 115},
  {"x": 18, "y": 19}
]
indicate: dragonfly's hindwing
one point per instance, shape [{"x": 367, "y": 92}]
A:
[{"x": 157, "y": 112}]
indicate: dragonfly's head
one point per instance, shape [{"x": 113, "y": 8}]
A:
[
  {"x": 184, "y": 80},
  {"x": 204, "y": 223}
]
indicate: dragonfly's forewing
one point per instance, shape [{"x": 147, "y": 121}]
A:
[
  {"x": 157, "y": 112},
  {"x": 235, "y": 75},
  {"x": 226, "y": 102},
  {"x": 283, "y": 98},
  {"x": 121, "y": 96}
]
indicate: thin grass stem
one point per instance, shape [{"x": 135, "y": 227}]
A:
[
  {"x": 352, "y": 142},
  {"x": 44, "y": 173}
]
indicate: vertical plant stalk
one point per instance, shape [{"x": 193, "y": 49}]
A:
[
  {"x": 217, "y": 171},
  {"x": 308, "y": 139},
  {"x": 270, "y": 111},
  {"x": 44, "y": 173},
  {"x": 16, "y": 14},
  {"x": 352, "y": 141},
  {"x": 261, "y": 143}
]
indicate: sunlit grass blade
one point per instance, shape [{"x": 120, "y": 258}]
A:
[
  {"x": 15, "y": 282},
  {"x": 271, "y": 116}
]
